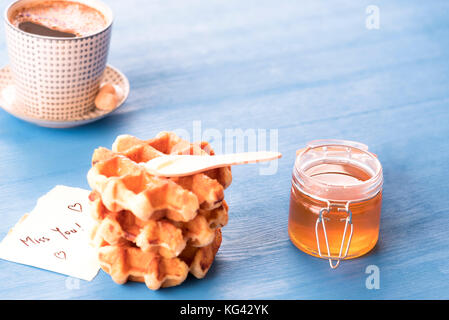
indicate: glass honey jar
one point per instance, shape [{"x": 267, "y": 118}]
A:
[{"x": 336, "y": 200}]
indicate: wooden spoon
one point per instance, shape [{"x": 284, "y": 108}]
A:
[{"x": 182, "y": 165}]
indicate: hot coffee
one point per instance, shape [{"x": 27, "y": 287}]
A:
[
  {"x": 57, "y": 79},
  {"x": 58, "y": 19}
]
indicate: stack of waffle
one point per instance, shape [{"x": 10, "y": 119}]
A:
[{"x": 155, "y": 229}]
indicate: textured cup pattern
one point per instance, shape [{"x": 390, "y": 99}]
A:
[{"x": 57, "y": 79}]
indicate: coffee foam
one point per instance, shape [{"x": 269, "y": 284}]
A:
[{"x": 63, "y": 16}]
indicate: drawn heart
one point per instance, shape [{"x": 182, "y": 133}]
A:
[
  {"x": 60, "y": 255},
  {"x": 75, "y": 207}
]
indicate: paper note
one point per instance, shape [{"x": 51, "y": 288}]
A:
[{"x": 55, "y": 235}]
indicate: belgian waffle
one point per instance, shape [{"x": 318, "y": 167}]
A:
[
  {"x": 166, "y": 236},
  {"x": 154, "y": 229},
  {"x": 169, "y": 143},
  {"x": 125, "y": 262},
  {"x": 124, "y": 185}
]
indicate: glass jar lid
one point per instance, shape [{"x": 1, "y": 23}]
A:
[{"x": 337, "y": 170}]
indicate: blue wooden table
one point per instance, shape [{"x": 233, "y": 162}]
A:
[{"x": 310, "y": 69}]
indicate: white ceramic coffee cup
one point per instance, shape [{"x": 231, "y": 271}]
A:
[{"x": 57, "y": 78}]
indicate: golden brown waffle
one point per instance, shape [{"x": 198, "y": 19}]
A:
[
  {"x": 169, "y": 143},
  {"x": 155, "y": 229},
  {"x": 207, "y": 186},
  {"x": 125, "y": 262},
  {"x": 200, "y": 260},
  {"x": 124, "y": 185},
  {"x": 169, "y": 237}
]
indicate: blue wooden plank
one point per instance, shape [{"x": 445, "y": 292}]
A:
[{"x": 309, "y": 69}]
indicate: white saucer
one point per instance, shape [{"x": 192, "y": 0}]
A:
[{"x": 9, "y": 104}]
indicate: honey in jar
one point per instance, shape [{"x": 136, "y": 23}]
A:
[{"x": 335, "y": 200}]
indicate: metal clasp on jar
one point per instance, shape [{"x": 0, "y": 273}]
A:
[{"x": 348, "y": 221}]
